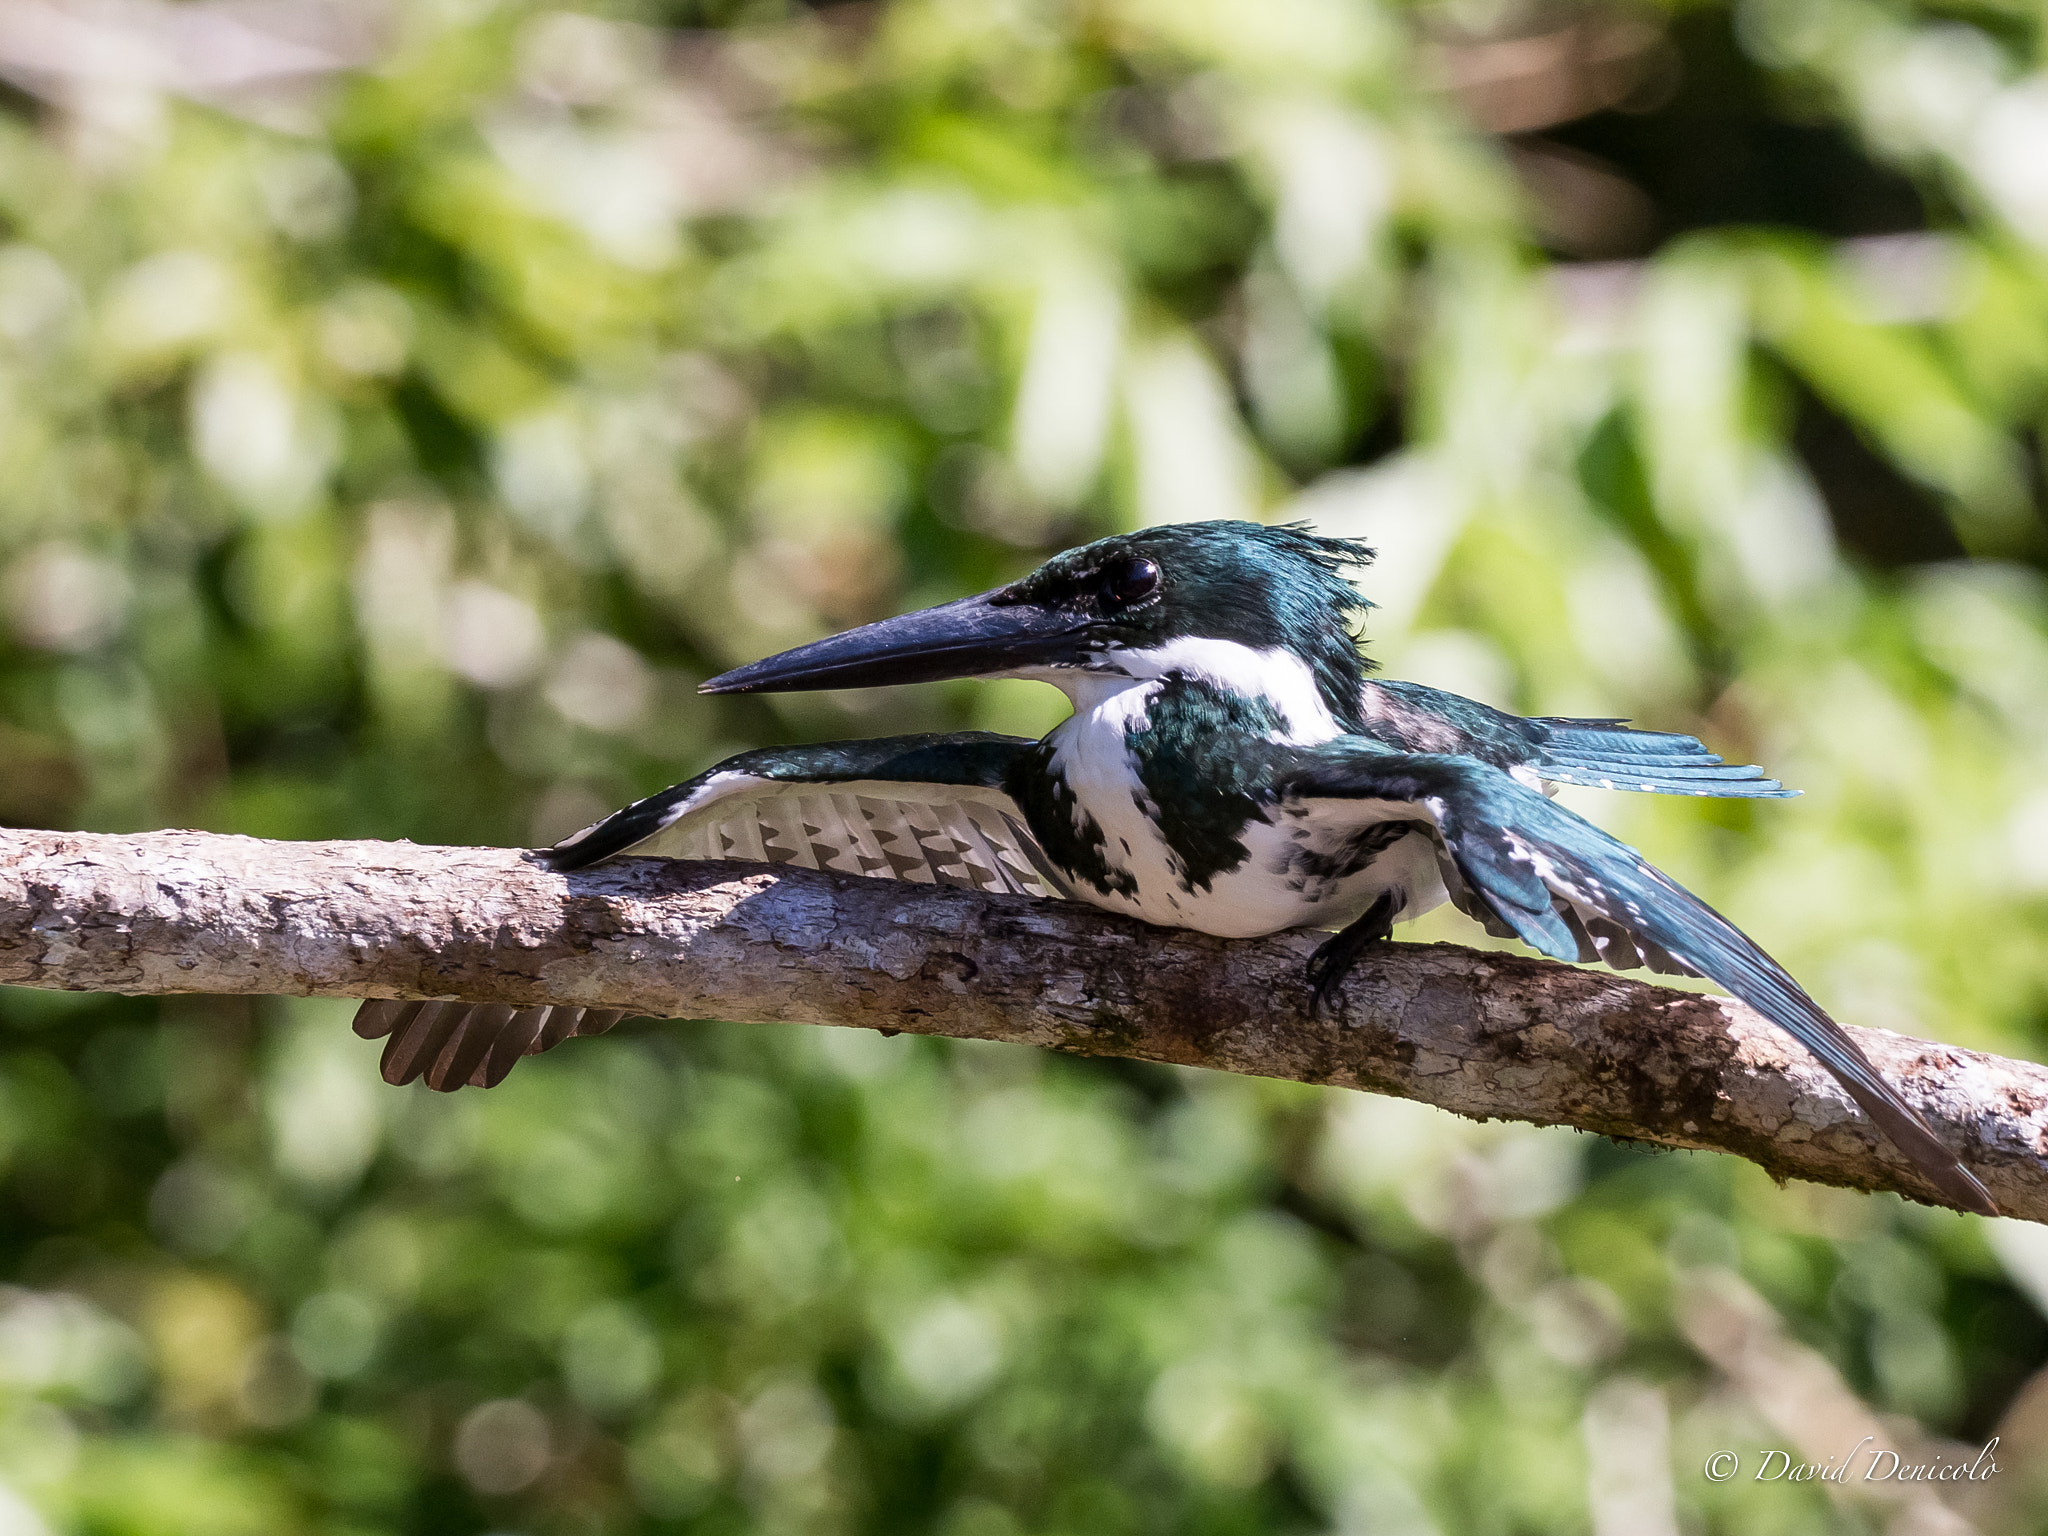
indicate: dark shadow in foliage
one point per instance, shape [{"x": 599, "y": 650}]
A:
[
  {"x": 1728, "y": 149},
  {"x": 1879, "y": 515}
]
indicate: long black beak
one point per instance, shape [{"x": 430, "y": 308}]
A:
[{"x": 974, "y": 637}]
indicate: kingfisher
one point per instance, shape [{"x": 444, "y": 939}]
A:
[{"x": 1232, "y": 764}]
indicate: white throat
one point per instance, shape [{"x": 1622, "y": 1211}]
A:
[{"x": 1279, "y": 677}]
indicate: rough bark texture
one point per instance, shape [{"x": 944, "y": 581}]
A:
[{"x": 1482, "y": 1034}]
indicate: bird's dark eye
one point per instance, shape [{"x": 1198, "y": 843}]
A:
[{"x": 1130, "y": 580}]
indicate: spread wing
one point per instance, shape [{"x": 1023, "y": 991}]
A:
[
  {"x": 454, "y": 1043},
  {"x": 1598, "y": 938},
  {"x": 927, "y": 809},
  {"x": 1560, "y": 883},
  {"x": 1610, "y": 754},
  {"x": 1603, "y": 754}
]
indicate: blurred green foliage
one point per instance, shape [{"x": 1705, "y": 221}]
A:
[{"x": 401, "y": 411}]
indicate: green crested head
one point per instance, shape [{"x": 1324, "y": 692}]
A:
[{"x": 1265, "y": 589}]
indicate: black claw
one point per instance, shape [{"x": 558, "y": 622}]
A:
[
  {"x": 1336, "y": 955},
  {"x": 1327, "y": 968}
]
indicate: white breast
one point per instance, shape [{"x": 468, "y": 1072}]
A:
[
  {"x": 1293, "y": 875},
  {"x": 1090, "y": 753},
  {"x": 1300, "y": 864}
]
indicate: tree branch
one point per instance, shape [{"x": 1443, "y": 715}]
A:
[{"x": 1481, "y": 1034}]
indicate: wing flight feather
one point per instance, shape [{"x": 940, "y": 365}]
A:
[
  {"x": 1564, "y": 887},
  {"x": 926, "y": 809}
]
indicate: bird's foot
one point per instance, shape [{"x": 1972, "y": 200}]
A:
[{"x": 1337, "y": 954}]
